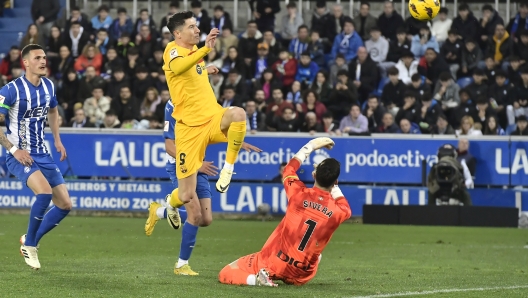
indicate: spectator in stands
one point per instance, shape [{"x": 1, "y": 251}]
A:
[
  {"x": 329, "y": 125},
  {"x": 377, "y": 46},
  {"x": 249, "y": 41},
  {"x": 102, "y": 20},
  {"x": 76, "y": 16},
  {"x": 446, "y": 92},
  {"x": 500, "y": 46},
  {"x": 76, "y": 39},
  {"x": 471, "y": 56},
  {"x": 431, "y": 66},
  {"x": 374, "y": 112},
  {"x": 518, "y": 23},
  {"x": 264, "y": 13},
  {"x": 17, "y": 71},
  {"x": 96, "y": 106},
  {"x": 103, "y": 41},
  {"x": 278, "y": 178},
  {"x": 287, "y": 122},
  {"x": 160, "y": 81},
  {"x": 290, "y": 24},
  {"x": 229, "y": 98},
  {"x": 299, "y": 44},
  {"x": 478, "y": 86},
  {"x": 393, "y": 92},
  {"x": 306, "y": 70},
  {"x": 277, "y": 105},
  {"x": 340, "y": 64},
  {"x": 174, "y": 6},
  {"x": 342, "y": 97},
  {"x": 423, "y": 41},
  {"x": 521, "y": 46},
  {"x": 492, "y": 127},
  {"x": 294, "y": 95},
  {"x": 483, "y": 111},
  {"x": 413, "y": 26},
  {"x": 364, "y": 72},
  {"x": 429, "y": 113},
  {"x": 443, "y": 127},
  {"x": 160, "y": 108},
  {"x": 126, "y": 106},
  {"x": 80, "y": 120},
  {"x": 217, "y": 82},
  {"x": 9, "y": 60},
  {"x": 89, "y": 82},
  {"x": 519, "y": 106},
  {"x": 62, "y": 64},
  {"x": 347, "y": 43},
  {"x": 514, "y": 71},
  {"x": 228, "y": 40},
  {"x": 466, "y": 128},
  {"x": 123, "y": 24},
  {"x": 365, "y": 21},
  {"x": 522, "y": 126},
  {"x": 466, "y": 24},
  {"x": 322, "y": 21},
  {"x": 111, "y": 120},
  {"x": 53, "y": 44},
  {"x": 236, "y": 80},
  {"x": 203, "y": 21},
  {"x": 411, "y": 108},
  {"x": 388, "y": 125},
  {"x": 124, "y": 44},
  {"x": 267, "y": 83},
  {"x": 146, "y": 42},
  {"x": 119, "y": 79},
  {"x": 418, "y": 85},
  {"x": 221, "y": 19},
  {"x": 310, "y": 124},
  {"x": 134, "y": 61},
  {"x": 465, "y": 108},
  {"x": 441, "y": 25},
  {"x": 488, "y": 24},
  {"x": 321, "y": 86},
  {"x": 234, "y": 61},
  {"x": 149, "y": 103},
  {"x": 354, "y": 123},
  {"x": 490, "y": 68},
  {"x": 316, "y": 48},
  {"x": 269, "y": 37},
  {"x": 32, "y": 36},
  {"x": 407, "y": 66},
  {"x": 69, "y": 92},
  {"x": 398, "y": 46},
  {"x": 499, "y": 94},
  {"x": 311, "y": 103},
  {"x": 44, "y": 14},
  {"x": 260, "y": 100},
  {"x": 463, "y": 154},
  {"x": 389, "y": 21},
  {"x": 406, "y": 127},
  {"x": 255, "y": 120},
  {"x": 142, "y": 82},
  {"x": 145, "y": 19},
  {"x": 451, "y": 51},
  {"x": 90, "y": 57}
]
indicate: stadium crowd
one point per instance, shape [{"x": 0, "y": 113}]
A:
[{"x": 337, "y": 74}]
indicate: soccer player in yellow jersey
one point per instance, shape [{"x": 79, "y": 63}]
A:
[{"x": 200, "y": 119}]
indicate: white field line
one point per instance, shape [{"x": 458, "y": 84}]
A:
[{"x": 432, "y": 292}]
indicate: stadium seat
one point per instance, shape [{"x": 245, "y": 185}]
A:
[
  {"x": 381, "y": 84},
  {"x": 464, "y": 82}
]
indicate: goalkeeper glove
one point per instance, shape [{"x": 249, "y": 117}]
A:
[
  {"x": 314, "y": 144},
  {"x": 336, "y": 192}
]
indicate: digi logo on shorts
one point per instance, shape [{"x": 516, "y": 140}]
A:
[{"x": 37, "y": 113}]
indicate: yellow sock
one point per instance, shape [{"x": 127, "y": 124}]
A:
[
  {"x": 175, "y": 201},
  {"x": 235, "y": 138}
]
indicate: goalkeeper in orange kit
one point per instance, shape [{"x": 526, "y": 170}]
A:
[
  {"x": 293, "y": 251},
  {"x": 200, "y": 119}
]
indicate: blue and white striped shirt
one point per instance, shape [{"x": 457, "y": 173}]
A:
[{"x": 27, "y": 107}]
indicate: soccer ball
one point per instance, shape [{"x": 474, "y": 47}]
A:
[{"x": 424, "y": 10}]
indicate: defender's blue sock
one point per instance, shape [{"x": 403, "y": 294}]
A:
[
  {"x": 188, "y": 240},
  {"x": 51, "y": 220},
  {"x": 183, "y": 214},
  {"x": 35, "y": 217}
]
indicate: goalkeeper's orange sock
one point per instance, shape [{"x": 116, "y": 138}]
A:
[
  {"x": 235, "y": 138},
  {"x": 175, "y": 201}
]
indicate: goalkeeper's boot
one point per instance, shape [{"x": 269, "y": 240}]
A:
[
  {"x": 30, "y": 254},
  {"x": 185, "y": 270},
  {"x": 173, "y": 215},
  {"x": 152, "y": 219},
  {"x": 222, "y": 185},
  {"x": 263, "y": 279}
]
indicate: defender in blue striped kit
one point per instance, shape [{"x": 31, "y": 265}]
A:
[{"x": 25, "y": 105}]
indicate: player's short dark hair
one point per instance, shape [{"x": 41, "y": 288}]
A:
[
  {"x": 29, "y": 48},
  {"x": 327, "y": 172},
  {"x": 178, "y": 19},
  {"x": 445, "y": 76},
  {"x": 393, "y": 71}
]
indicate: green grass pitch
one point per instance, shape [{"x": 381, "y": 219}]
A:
[{"x": 111, "y": 257}]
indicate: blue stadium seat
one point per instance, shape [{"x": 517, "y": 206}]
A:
[
  {"x": 381, "y": 84},
  {"x": 464, "y": 82}
]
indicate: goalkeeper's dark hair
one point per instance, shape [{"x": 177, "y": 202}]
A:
[
  {"x": 29, "y": 48},
  {"x": 178, "y": 19},
  {"x": 327, "y": 172}
]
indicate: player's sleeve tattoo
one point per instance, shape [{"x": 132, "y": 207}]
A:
[{"x": 3, "y": 138}]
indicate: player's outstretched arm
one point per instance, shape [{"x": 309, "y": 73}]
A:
[
  {"x": 53, "y": 117},
  {"x": 179, "y": 64}
]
